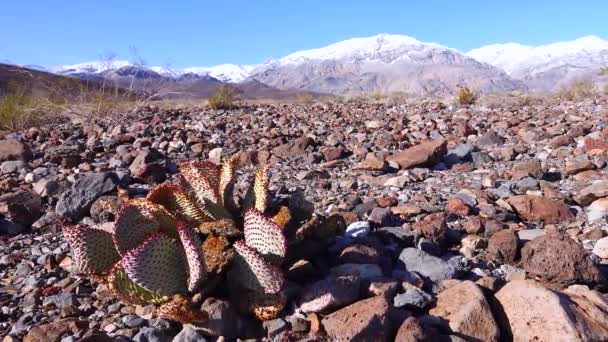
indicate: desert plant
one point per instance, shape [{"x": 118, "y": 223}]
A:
[
  {"x": 224, "y": 98},
  {"x": 466, "y": 96},
  {"x": 603, "y": 71},
  {"x": 176, "y": 243},
  {"x": 579, "y": 89}
]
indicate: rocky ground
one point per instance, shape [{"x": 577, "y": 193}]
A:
[{"x": 415, "y": 222}]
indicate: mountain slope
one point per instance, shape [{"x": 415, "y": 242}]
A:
[
  {"x": 383, "y": 63},
  {"x": 547, "y": 67}
]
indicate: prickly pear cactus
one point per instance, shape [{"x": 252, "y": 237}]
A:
[{"x": 180, "y": 240}]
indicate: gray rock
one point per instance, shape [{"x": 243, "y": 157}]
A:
[
  {"x": 8, "y": 227},
  {"x": 412, "y": 298},
  {"x": 151, "y": 335},
  {"x": 364, "y": 271},
  {"x": 330, "y": 293},
  {"x": 22, "y": 207},
  {"x": 190, "y": 334},
  {"x": 431, "y": 267},
  {"x": 380, "y": 216},
  {"x": 225, "y": 321},
  {"x": 76, "y": 202},
  {"x": 12, "y": 166}
]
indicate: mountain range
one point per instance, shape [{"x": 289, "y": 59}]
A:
[{"x": 393, "y": 63}]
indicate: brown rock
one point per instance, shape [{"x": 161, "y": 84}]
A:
[
  {"x": 533, "y": 313},
  {"x": 425, "y": 153},
  {"x": 432, "y": 226},
  {"x": 538, "y": 208},
  {"x": 527, "y": 168},
  {"x": 365, "y": 320},
  {"x": 558, "y": 261},
  {"x": 333, "y": 153},
  {"x": 457, "y": 207},
  {"x": 467, "y": 312},
  {"x": 11, "y": 149},
  {"x": 503, "y": 246},
  {"x": 576, "y": 166},
  {"x": 412, "y": 331},
  {"x": 52, "y": 332},
  {"x": 473, "y": 225},
  {"x": 359, "y": 254},
  {"x": 294, "y": 148}
]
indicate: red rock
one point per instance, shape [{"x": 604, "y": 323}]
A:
[
  {"x": 425, "y": 153},
  {"x": 537, "y": 208},
  {"x": 558, "y": 261},
  {"x": 412, "y": 331},
  {"x": 457, "y": 207},
  {"x": 467, "y": 312},
  {"x": 503, "y": 246},
  {"x": 432, "y": 226},
  {"x": 365, "y": 320},
  {"x": 473, "y": 225},
  {"x": 527, "y": 168}
]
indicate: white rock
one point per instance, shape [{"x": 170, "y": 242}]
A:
[
  {"x": 601, "y": 248},
  {"x": 357, "y": 229},
  {"x": 597, "y": 210}
]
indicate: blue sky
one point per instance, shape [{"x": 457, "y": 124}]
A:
[{"x": 204, "y": 33}]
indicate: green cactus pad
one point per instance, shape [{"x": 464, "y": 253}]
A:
[
  {"x": 126, "y": 290},
  {"x": 192, "y": 247},
  {"x": 93, "y": 249},
  {"x": 265, "y": 236},
  {"x": 252, "y": 271},
  {"x": 257, "y": 194},
  {"x": 158, "y": 265}
]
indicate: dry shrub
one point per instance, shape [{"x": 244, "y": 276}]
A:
[
  {"x": 224, "y": 98},
  {"x": 578, "y": 90},
  {"x": 466, "y": 96}
]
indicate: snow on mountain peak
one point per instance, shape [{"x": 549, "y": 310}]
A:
[
  {"x": 367, "y": 48},
  {"x": 513, "y": 57}
]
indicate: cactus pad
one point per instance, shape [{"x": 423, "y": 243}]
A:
[
  {"x": 253, "y": 272},
  {"x": 137, "y": 220},
  {"x": 227, "y": 178},
  {"x": 192, "y": 247},
  {"x": 126, "y": 290},
  {"x": 216, "y": 253},
  {"x": 93, "y": 249},
  {"x": 202, "y": 179},
  {"x": 257, "y": 194},
  {"x": 181, "y": 310},
  {"x": 158, "y": 265},
  {"x": 265, "y": 236},
  {"x": 175, "y": 200}
]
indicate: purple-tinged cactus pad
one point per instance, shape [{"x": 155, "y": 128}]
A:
[
  {"x": 252, "y": 271},
  {"x": 192, "y": 247},
  {"x": 93, "y": 249},
  {"x": 158, "y": 265},
  {"x": 173, "y": 198},
  {"x": 257, "y": 194},
  {"x": 202, "y": 178},
  {"x": 265, "y": 236}
]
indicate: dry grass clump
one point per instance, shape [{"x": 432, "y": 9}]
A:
[
  {"x": 578, "y": 90},
  {"x": 466, "y": 96},
  {"x": 224, "y": 98}
]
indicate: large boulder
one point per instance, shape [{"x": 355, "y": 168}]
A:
[
  {"x": 11, "y": 149},
  {"x": 76, "y": 202},
  {"x": 293, "y": 148},
  {"x": 467, "y": 312},
  {"x": 558, "y": 261},
  {"x": 426, "y": 153},
  {"x": 538, "y": 208},
  {"x": 365, "y": 320},
  {"x": 21, "y": 207},
  {"x": 531, "y": 312}
]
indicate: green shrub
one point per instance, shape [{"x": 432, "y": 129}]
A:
[
  {"x": 466, "y": 96},
  {"x": 225, "y": 98}
]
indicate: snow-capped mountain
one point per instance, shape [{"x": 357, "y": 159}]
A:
[
  {"x": 225, "y": 72},
  {"x": 382, "y": 63},
  {"x": 547, "y": 67},
  {"x": 386, "y": 63}
]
